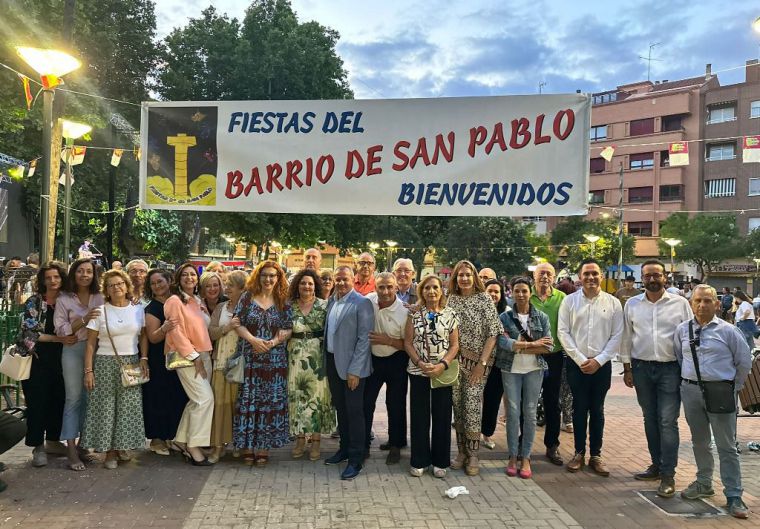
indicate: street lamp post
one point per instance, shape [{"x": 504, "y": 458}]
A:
[
  {"x": 47, "y": 63},
  {"x": 71, "y": 131},
  {"x": 593, "y": 240},
  {"x": 391, "y": 246},
  {"x": 672, "y": 243}
]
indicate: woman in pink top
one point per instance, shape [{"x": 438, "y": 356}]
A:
[
  {"x": 80, "y": 303},
  {"x": 190, "y": 338}
]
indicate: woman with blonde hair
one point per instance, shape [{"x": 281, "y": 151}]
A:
[
  {"x": 266, "y": 319},
  {"x": 431, "y": 340},
  {"x": 114, "y": 419},
  {"x": 211, "y": 290},
  {"x": 479, "y": 326},
  {"x": 189, "y": 339},
  {"x": 222, "y": 332}
]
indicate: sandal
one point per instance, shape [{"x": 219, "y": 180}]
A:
[
  {"x": 78, "y": 466},
  {"x": 262, "y": 460},
  {"x": 459, "y": 462},
  {"x": 472, "y": 468},
  {"x": 249, "y": 458}
]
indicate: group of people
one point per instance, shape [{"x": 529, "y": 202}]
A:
[{"x": 254, "y": 362}]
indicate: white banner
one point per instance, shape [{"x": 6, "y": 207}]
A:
[{"x": 503, "y": 156}]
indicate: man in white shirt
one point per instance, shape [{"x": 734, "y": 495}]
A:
[
  {"x": 389, "y": 362},
  {"x": 650, "y": 365},
  {"x": 590, "y": 328}
]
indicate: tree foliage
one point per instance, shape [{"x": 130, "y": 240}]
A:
[
  {"x": 570, "y": 234},
  {"x": 706, "y": 240}
]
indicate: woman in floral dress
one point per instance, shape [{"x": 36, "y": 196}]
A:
[
  {"x": 266, "y": 319},
  {"x": 308, "y": 392}
]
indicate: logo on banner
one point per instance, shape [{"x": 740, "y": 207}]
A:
[
  {"x": 751, "y": 150},
  {"x": 182, "y": 156},
  {"x": 678, "y": 154}
]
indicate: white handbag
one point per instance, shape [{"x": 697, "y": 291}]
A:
[{"x": 15, "y": 366}]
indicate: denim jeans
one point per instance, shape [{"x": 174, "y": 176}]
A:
[
  {"x": 74, "y": 409},
  {"x": 723, "y": 427},
  {"x": 658, "y": 392},
  {"x": 522, "y": 390},
  {"x": 748, "y": 327}
]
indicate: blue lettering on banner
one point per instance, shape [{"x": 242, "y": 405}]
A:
[
  {"x": 348, "y": 122},
  {"x": 484, "y": 194}
]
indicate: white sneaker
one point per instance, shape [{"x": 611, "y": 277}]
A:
[
  {"x": 416, "y": 472},
  {"x": 439, "y": 473}
]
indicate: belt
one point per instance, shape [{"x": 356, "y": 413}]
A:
[
  {"x": 654, "y": 361},
  {"x": 690, "y": 381},
  {"x": 307, "y": 335}
]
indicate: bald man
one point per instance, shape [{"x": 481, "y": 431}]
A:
[
  {"x": 312, "y": 259},
  {"x": 364, "y": 283},
  {"x": 486, "y": 274}
]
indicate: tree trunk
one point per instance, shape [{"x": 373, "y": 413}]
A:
[{"x": 127, "y": 244}]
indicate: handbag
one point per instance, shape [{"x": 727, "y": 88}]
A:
[
  {"x": 449, "y": 377},
  {"x": 14, "y": 365},
  {"x": 131, "y": 374},
  {"x": 234, "y": 370},
  {"x": 173, "y": 360},
  {"x": 719, "y": 395}
]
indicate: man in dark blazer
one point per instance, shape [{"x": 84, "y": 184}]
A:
[{"x": 350, "y": 319}]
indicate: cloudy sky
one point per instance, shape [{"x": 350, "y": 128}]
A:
[{"x": 435, "y": 48}]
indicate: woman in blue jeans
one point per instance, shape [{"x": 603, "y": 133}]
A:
[{"x": 527, "y": 336}]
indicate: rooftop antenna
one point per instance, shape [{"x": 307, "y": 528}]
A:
[
  {"x": 541, "y": 86},
  {"x": 649, "y": 58}
]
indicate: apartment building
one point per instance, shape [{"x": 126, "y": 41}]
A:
[
  {"x": 730, "y": 113},
  {"x": 641, "y": 120}
]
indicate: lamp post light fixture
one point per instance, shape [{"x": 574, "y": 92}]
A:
[
  {"x": 757, "y": 264},
  {"x": 391, "y": 246},
  {"x": 593, "y": 240},
  {"x": 756, "y": 25},
  {"x": 672, "y": 243},
  {"x": 71, "y": 131},
  {"x": 57, "y": 63}
]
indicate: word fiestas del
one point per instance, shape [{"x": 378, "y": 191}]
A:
[
  {"x": 285, "y": 122},
  {"x": 518, "y": 134}
]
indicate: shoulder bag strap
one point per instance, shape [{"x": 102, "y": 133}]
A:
[
  {"x": 693, "y": 347},
  {"x": 520, "y": 328},
  {"x": 108, "y": 331}
]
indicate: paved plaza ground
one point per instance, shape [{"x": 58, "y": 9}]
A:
[{"x": 165, "y": 492}]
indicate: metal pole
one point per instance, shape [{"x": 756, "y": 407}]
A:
[
  {"x": 111, "y": 203},
  {"x": 67, "y": 202},
  {"x": 620, "y": 230},
  {"x": 47, "y": 147}
]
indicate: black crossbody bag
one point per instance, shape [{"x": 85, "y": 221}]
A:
[{"x": 719, "y": 395}]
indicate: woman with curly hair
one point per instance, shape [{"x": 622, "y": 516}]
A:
[
  {"x": 309, "y": 402},
  {"x": 266, "y": 320}
]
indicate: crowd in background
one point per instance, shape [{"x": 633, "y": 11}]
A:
[{"x": 228, "y": 361}]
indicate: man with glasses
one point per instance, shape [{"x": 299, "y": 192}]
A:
[
  {"x": 650, "y": 366},
  {"x": 403, "y": 269},
  {"x": 548, "y": 299},
  {"x": 364, "y": 283},
  {"x": 138, "y": 272},
  {"x": 723, "y": 355},
  {"x": 486, "y": 274}
]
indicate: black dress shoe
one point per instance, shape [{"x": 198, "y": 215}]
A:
[
  {"x": 650, "y": 474},
  {"x": 552, "y": 454},
  {"x": 394, "y": 456},
  {"x": 336, "y": 459},
  {"x": 667, "y": 488},
  {"x": 351, "y": 472}
]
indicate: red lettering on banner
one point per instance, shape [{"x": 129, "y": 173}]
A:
[
  {"x": 274, "y": 171},
  {"x": 403, "y": 158},
  {"x": 234, "y": 179},
  {"x": 324, "y": 175},
  {"x": 420, "y": 152},
  {"x": 254, "y": 182},
  {"x": 539, "y": 139},
  {"x": 477, "y": 137},
  {"x": 351, "y": 157},
  {"x": 558, "y": 123},
  {"x": 520, "y": 128},
  {"x": 497, "y": 138},
  {"x": 372, "y": 159},
  {"x": 291, "y": 174},
  {"x": 440, "y": 147}
]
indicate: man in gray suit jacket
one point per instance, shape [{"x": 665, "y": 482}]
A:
[{"x": 350, "y": 319}]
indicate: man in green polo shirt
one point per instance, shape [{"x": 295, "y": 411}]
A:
[{"x": 547, "y": 299}]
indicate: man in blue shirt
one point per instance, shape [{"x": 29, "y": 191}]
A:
[{"x": 723, "y": 354}]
